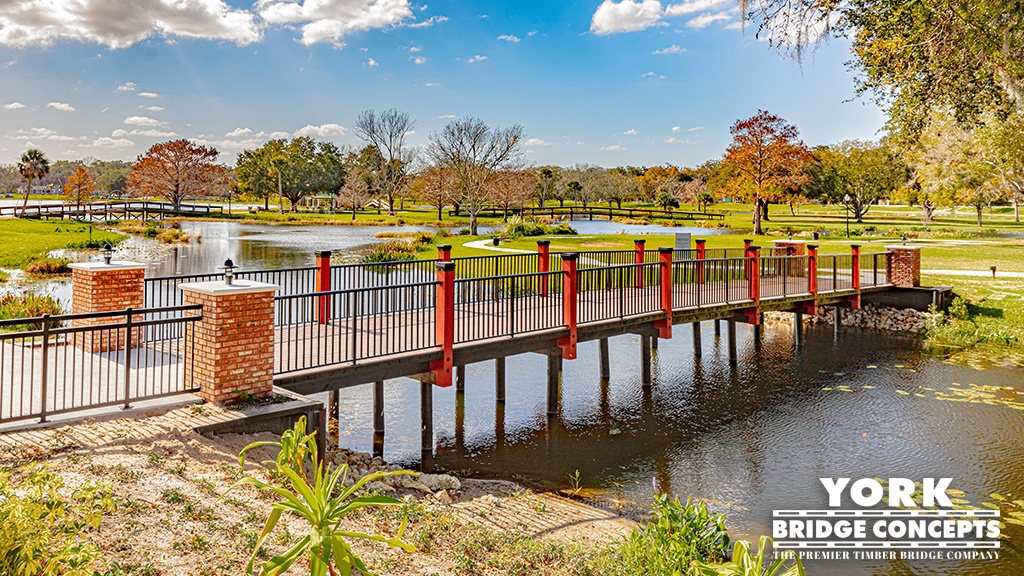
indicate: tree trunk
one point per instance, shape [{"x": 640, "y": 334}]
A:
[
  {"x": 472, "y": 223},
  {"x": 353, "y": 211},
  {"x": 757, "y": 217},
  {"x": 979, "y": 208},
  {"x": 764, "y": 211},
  {"x": 24, "y": 205},
  {"x": 439, "y": 210},
  {"x": 1016, "y": 210},
  {"x": 561, "y": 202}
]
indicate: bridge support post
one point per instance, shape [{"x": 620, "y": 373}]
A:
[
  {"x": 798, "y": 329},
  {"x": 322, "y": 283},
  {"x": 645, "y": 360},
  {"x": 606, "y": 372},
  {"x": 638, "y": 251},
  {"x": 569, "y": 305},
  {"x": 718, "y": 328},
  {"x": 444, "y": 323},
  {"x": 903, "y": 266},
  {"x": 460, "y": 379},
  {"x": 664, "y": 325},
  {"x": 554, "y": 382},
  {"x": 732, "y": 340},
  {"x": 232, "y": 346},
  {"x": 543, "y": 264},
  {"x": 378, "y": 408},
  {"x": 332, "y": 405},
  {"x": 499, "y": 380},
  {"x": 697, "y": 348},
  {"x": 838, "y": 326},
  {"x": 426, "y": 420}
]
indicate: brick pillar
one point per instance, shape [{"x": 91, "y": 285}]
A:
[
  {"x": 795, "y": 268},
  {"x": 101, "y": 287},
  {"x": 904, "y": 266},
  {"x": 232, "y": 347}
]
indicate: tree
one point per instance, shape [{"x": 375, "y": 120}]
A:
[
  {"x": 916, "y": 57},
  {"x": 866, "y": 171},
  {"x": 292, "y": 169},
  {"x": 619, "y": 186},
  {"x": 767, "y": 160},
  {"x": 666, "y": 201},
  {"x": 1001, "y": 141},
  {"x": 33, "y": 166},
  {"x": 512, "y": 190},
  {"x": 9, "y": 179},
  {"x": 177, "y": 170},
  {"x": 356, "y": 191},
  {"x": 475, "y": 153},
  {"x": 112, "y": 176},
  {"x": 386, "y": 132},
  {"x": 79, "y": 187},
  {"x": 434, "y": 186},
  {"x": 547, "y": 178}
]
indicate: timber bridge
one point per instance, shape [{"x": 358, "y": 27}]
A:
[
  {"x": 325, "y": 327},
  {"x": 590, "y": 211},
  {"x": 140, "y": 210}
]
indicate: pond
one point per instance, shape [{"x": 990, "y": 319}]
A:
[{"x": 748, "y": 438}]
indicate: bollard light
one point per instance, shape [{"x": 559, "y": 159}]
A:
[
  {"x": 229, "y": 271},
  {"x": 107, "y": 252},
  {"x": 993, "y": 268}
]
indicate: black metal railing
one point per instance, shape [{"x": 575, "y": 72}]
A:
[
  {"x": 709, "y": 282},
  {"x": 504, "y": 306},
  {"x": 618, "y": 291},
  {"x": 56, "y": 364},
  {"x": 874, "y": 269},
  {"x": 783, "y": 276}
]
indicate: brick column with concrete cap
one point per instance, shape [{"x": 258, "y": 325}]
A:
[
  {"x": 904, "y": 266},
  {"x": 795, "y": 268},
  {"x": 233, "y": 349},
  {"x": 103, "y": 287}
]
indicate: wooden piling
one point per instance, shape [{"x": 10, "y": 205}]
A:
[
  {"x": 606, "y": 371},
  {"x": 732, "y": 340},
  {"x": 697, "y": 348},
  {"x": 838, "y": 326},
  {"x": 332, "y": 405},
  {"x": 645, "y": 360},
  {"x": 718, "y": 327},
  {"x": 798, "y": 329},
  {"x": 427, "y": 419},
  {"x": 499, "y": 380},
  {"x": 460, "y": 378},
  {"x": 554, "y": 381},
  {"x": 378, "y": 408}
]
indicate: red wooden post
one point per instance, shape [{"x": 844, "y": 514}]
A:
[
  {"x": 322, "y": 283},
  {"x": 665, "y": 326},
  {"x": 753, "y": 256},
  {"x": 746, "y": 244},
  {"x": 855, "y": 249},
  {"x": 543, "y": 263},
  {"x": 638, "y": 249},
  {"x": 444, "y": 323},
  {"x": 812, "y": 278},
  {"x": 701, "y": 255},
  {"x": 570, "y": 290},
  {"x": 444, "y": 252}
]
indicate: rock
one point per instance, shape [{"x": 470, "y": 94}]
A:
[
  {"x": 437, "y": 482},
  {"x": 443, "y": 498}
]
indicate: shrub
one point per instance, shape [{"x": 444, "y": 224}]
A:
[
  {"x": 28, "y": 305},
  {"x": 45, "y": 266},
  {"x": 746, "y": 563},
  {"x": 392, "y": 251},
  {"x": 42, "y": 521}
]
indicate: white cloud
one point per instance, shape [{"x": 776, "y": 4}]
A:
[
  {"x": 509, "y": 38},
  {"x": 144, "y": 121},
  {"x": 127, "y": 87},
  {"x": 673, "y": 49},
  {"x": 431, "y": 84},
  {"x": 419, "y": 59},
  {"x": 153, "y": 108},
  {"x": 477, "y": 58},
  {"x": 537, "y": 142},
  {"x": 372, "y": 63},
  {"x": 652, "y": 75},
  {"x": 277, "y": 135},
  {"x": 414, "y": 49},
  {"x": 121, "y": 24},
  {"x": 446, "y": 116},
  {"x": 332, "y": 20},
  {"x": 625, "y": 16},
  {"x": 674, "y": 140},
  {"x": 239, "y": 132},
  {"x": 613, "y": 148},
  {"x": 631, "y": 132},
  {"x": 429, "y": 22},
  {"x": 14, "y": 105},
  {"x": 705, "y": 20},
  {"x": 149, "y": 94},
  {"x": 695, "y": 128},
  {"x": 104, "y": 142},
  {"x": 41, "y": 134},
  {"x": 675, "y": 128},
  {"x": 149, "y": 133},
  {"x": 62, "y": 106},
  {"x": 321, "y": 131},
  {"x": 693, "y": 6}
]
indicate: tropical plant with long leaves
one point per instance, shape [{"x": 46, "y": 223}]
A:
[
  {"x": 746, "y": 563},
  {"x": 33, "y": 166},
  {"x": 323, "y": 502}
]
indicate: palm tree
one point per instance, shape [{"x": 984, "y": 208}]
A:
[{"x": 33, "y": 166}]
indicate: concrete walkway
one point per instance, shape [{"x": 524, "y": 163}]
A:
[{"x": 488, "y": 245}]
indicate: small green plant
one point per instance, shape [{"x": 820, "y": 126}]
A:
[
  {"x": 392, "y": 251},
  {"x": 574, "y": 482},
  {"x": 322, "y": 501},
  {"x": 746, "y": 563},
  {"x": 42, "y": 521},
  {"x": 28, "y": 305},
  {"x": 47, "y": 266}
]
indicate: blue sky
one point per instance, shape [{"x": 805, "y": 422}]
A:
[{"x": 635, "y": 82}]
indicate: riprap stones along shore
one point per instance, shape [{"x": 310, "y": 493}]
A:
[{"x": 870, "y": 316}]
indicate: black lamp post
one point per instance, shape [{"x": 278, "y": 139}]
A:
[{"x": 846, "y": 200}]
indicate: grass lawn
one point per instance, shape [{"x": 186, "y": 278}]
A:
[
  {"x": 24, "y": 238},
  {"x": 992, "y": 323}
]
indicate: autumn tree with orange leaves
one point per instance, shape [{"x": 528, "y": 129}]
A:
[
  {"x": 767, "y": 161},
  {"x": 79, "y": 187},
  {"x": 177, "y": 170}
]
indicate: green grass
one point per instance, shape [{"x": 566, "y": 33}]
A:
[
  {"x": 990, "y": 326},
  {"x": 24, "y": 239}
]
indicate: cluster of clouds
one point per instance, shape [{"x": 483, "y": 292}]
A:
[
  {"x": 121, "y": 24},
  {"x": 613, "y": 17}
]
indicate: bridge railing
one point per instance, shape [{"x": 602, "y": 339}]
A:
[
  {"x": 709, "y": 282},
  {"x": 507, "y": 305},
  {"x": 835, "y": 272},
  {"x": 345, "y": 326},
  {"x": 55, "y": 364},
  {"x": 618, "y": 291},
  {"x": 874, "y": 268},
  {"x": 783, "y": 276}
]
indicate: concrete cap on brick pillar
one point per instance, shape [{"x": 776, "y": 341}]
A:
[
  {"x": 219, "y": 288},
  {"x": 104, "y": 267},
  {"x": 902, "y": 247}
]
